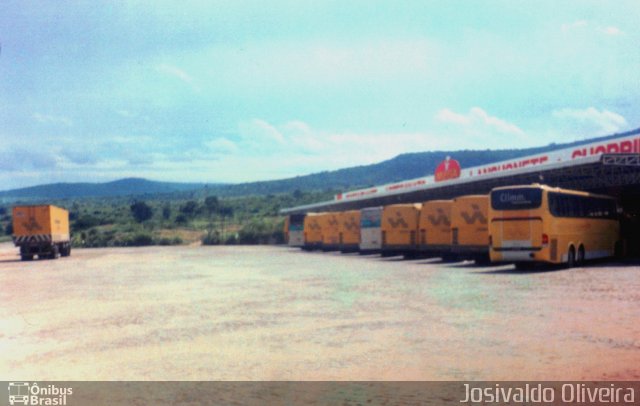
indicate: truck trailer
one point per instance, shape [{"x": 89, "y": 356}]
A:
[{"x": 41, "y": 230}]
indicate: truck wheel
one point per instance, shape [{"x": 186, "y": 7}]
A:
[
  {"x": 55, "y": 252},
  {"x": 26, "y": 257}
]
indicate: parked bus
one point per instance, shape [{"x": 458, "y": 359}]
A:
[
  {"x": 435, "y": 228},
  {"x": 370, "y": 230},
  {"x": 399, "y": 229},
  {"x": 538, "y": 223},
  {"x": 349, "y": 231},
  {"x": 330, "y": 224},
  {"x": 469, "y": 228},
  {"x": 294, "y": 230},
  {"x": 312, "y": 231}
]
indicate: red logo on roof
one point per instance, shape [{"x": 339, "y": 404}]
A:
[{"x": 448, "y": 169}]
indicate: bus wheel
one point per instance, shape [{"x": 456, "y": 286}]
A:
[
  {"x": 580, "y": 259},
  {"x": 571, "y": 258}
]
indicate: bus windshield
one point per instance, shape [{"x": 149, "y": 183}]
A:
[
  {"x": 370, "y": 218},
  {"x": 516, "y": 199}
]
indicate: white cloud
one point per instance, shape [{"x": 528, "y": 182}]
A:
[
  {"x": 574, "y": 25},
  {"x": 259, "y": 130},
  {"x": 222, "y": 145},
  {"x": 478, "y": 122},
  {"x": 583, "y": 24},
  {"x": 178, "y": 73},
  {"x": 611, "y": 31},
  {"x": 591, "y": 119},
  {"x": 51, "y": 119}
]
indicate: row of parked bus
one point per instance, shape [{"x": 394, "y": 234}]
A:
[{"x": 515, "y": 224}]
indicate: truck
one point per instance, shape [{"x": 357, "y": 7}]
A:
[{"x": 41, "y": 230}]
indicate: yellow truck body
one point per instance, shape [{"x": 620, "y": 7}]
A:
[
  {"x": 41, "y": 230},
  {"x": 349, "y": 231}
]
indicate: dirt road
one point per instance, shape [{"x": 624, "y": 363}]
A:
[{"x": 274, "y": 313}]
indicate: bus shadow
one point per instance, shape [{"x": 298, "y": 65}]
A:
[
  {"x": 512, "y": 270},
  {"x": 9, "y": 261}
]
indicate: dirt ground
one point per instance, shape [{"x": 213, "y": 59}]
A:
[{"x": 276, "y": 313}]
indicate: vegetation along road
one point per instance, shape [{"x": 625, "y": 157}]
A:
[{"x": 276, "y": 313}]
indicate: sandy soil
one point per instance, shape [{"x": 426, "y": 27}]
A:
[{"x": 275, "y": 313}]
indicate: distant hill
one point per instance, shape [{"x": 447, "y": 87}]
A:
[
  {"x": 122, "y": 187},
  {"x": 404, "y": 166}
]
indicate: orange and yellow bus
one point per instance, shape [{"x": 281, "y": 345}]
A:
[
  {"x": 330, "y": 225},
  {"x": 469, "y": 227},
  {"x": 399, "y": 226},
  {"x": 349, "y": 231},
  {"x": 312, "y": 231},
  {"x": 538, "y": 223},
  {"x": 435, "y": 228}
]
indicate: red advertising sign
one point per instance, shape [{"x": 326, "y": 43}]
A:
[{"x": 448, "y": 169}]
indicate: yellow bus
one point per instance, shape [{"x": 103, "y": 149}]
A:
[
  {"x": 399, "y": 226},
  {"x": 469, "y": 228},
  {"x": 330, "y": 225},
  {"x": 312, "y": 231},
  {"x": 435, "y": 228},
  {"x": 294, "y": 230},
  {"x": 349, "y": 231},
  {"x": 538, "y": 223}
]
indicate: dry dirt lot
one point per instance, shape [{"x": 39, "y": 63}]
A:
[{"x": 275, "y": 313}]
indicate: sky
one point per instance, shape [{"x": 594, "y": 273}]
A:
[{"x": 235, "y": 91}]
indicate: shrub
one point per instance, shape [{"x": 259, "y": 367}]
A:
[
  {"x": 85, "y": 222},
  {"x": 181, "y": 219},
  {"x": 170, "y": 241},
  {"x": 141, "y": 240},
  {"x": 141, "y": 211},
  {"x": 211, "y": 238}
]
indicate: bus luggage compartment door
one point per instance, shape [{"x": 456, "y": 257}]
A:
[{"x": 518, "y": 238}]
